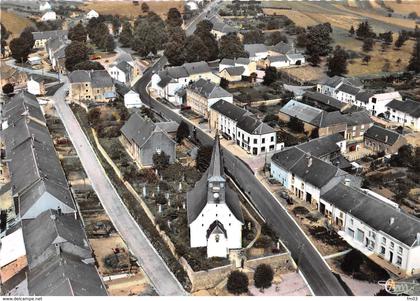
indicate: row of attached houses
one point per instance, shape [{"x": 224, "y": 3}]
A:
[
  {"x": 94, "y": 85},
  {"x": 278, "y": 56},
  {"x": 45, "y": 251},
  {"x": 367, "y": 221},
  {"x": 41, "y": 37},
  {"x": 171, "y": 82},
  {"x": 241, "y": 126},
  {"x": 55, "y": 48}
]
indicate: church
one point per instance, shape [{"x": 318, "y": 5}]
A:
[{"x": 214, "y": 210}]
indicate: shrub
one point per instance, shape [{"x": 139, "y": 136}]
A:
[
  {"x": 352, "y": 262},
  {"x": 263, "y": 241},
  {"x": 263, "y": 276},
  {"x": 237, "y": 283}
]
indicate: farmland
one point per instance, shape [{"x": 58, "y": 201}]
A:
[
  {"x": 127, "y": 8},
  {"x": 13, "y": 22}
]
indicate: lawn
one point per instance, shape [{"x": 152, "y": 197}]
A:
[
  {"x": 405, "y": 7},
  {"x": 13, "y": 22},
  {"x": 127, "y": 8}
]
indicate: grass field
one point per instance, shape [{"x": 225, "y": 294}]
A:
[
  {"x": 406, "y": 7},
  {"x": 13, "y": 22},
  {"x": 126, "y": 8}
]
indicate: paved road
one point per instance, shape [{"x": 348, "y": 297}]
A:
[
  {"x": 316, "y": 271},
  {"x": 153, "y": 265}
]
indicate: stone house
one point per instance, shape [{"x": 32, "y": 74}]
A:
[
  {"x": 94, "y": 85},
  {"x": 381, "y": 139}
]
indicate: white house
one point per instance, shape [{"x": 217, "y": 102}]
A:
[
  {"x": 278, "y": 61},
  {"x": 49, "y": 16},
  {"x": 296, "y": 59},
  {"x": 406, "y": 113},
  {"x": 331, "y": 84},
  {"x": 374, "y": 225},
  {"x": 214, "y": 211},
  {"x": 34, "y": 60},
  {"x": 243, "y": 128},
  {"x": 132, "y": 100},
  {"x": 376, "y": 103},
  {"x": 44, "y": 5},
  {"x": 256, "y": 52},
  {"x": 346, "y": 93},
  {"x": 34, "y": 85},
  {"x": 41, "y": 37},
  {"x": 92, "y": 14}
]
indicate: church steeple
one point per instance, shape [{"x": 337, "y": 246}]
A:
[{"x": 215, "y": 175}]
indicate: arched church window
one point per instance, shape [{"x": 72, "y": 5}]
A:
[{"x": 217, "y": 238}]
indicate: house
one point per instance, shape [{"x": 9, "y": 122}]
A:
[
  {"x": 60, "y": 233},
  {"x": 11, "y": 75},
  {"x": 171, "y": 81},
  {"x": 304, "y": 175},
  {"x": 322, "y": 101},
  {"x": 49, "y": 16},
  {"x": 327, "y": 148},
  {"x": 92, "y": 14},
  {"x": 131, "y": 98},
  {"x": 220, "y": 28},
  {"x": 351, "y": 125},
  {"x": 374, "y": 102},
  {"x": 375, "y": 226},
  {"x": 232, "y": 74},
  {"x": 278, "y": 61},
  {"x": 249, "y": 66},
  {"x": 192, "y": 5},
  {"x": 142, "y": 138},
  {"x": 94, "y": 85},
  {"x": 124, "y": 72},
  {"x": 34, "y": 60},
  {"x": 214, "y": 211},
  {"x": 243, "y": 128},
  {"x": 406, "y": 113},
  {"x": 296, "y": 59},
  {"x": 41, "y": 37},
  {"x": 44, "y": 5},
  {"x": 37, "y": 84},
  {"x": 280, "y": 48},
  {"x": 381, "y": 139},
  {"x": 13, "y": 259},
  {"x": 256, "y": 52},
  {"x": 331, "y": 84},
  {"x": 346, "y": 93},
  {"x": 202, "y": 94},
  {"x": 55, "y": 48}
]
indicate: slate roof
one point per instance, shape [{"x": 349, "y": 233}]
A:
[
  {"x": 45, "y": 35},
  {"x": 254, "y": 126},
  {"x": 374, "y": 212},
  {"x": 324, "y": 99},
  {"x": 229, "y": 62},
  {"x": 139, "y": 129},
  {"x": 229, "y": 110},
  {"x": 277, "y": 58},
  {"x": 198, "y": 197},
  {"x": 364, "y": 96},
  {"x": 383, "y": 135},
  {"x": 124, "y": 67},
  {"x": 65, "y": 275},
  {"x": 252, "y": 49},
  {"x": 409, "y": 107},
  {"x": 307, "y": 167},
  {"x": 301, "y": 111},
  {"x": 242, "y": 61},
  {"x": 55, "y": 43},
  {"x": 42, "y": 78},
  {"x": 281, "y": 47},
  {"x": 56, "y": 228},
  {"x": 167, "y": 75},
  {"x": 197, "y": 67},
  {"x": 235, "y": 71},
  {"x": 97, "y": 78},
  {"x": 209, "y": 89},
  {"x": 22, "y": 104},
  {"x": 322, "y": 146},
  {"x": 349, "y": 89},
  {"x": 336, "y": 80}
]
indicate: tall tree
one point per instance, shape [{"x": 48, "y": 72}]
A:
[
  {"x": 275, "y": 38},
  {"x": 364, "y": 30},
  {"x": 318, "y": 39},
  {"x": 351, "y": 31},
  {"x": 78, "y": 33},
  {"x": 20, "y": 49},
  {"x": 174, "y": 50},
  {"x": 337, "y": 62},
  {"x": 149, "y": 35},
  {"x": 126, "y": 34},
  {"x": 76, "y": 52},
  {"x": 182, "y": 132},
  {"x": 145, "y": 8},
  {"x": 237, "y": 283},
  {"x": 270, "y": 76},
  {"x": 367, "y": 44},
  {"x": 230, "y": 47},
  {"x": 263, "y": 276},
  {"x": 109, "y": 43},
  {"x": 253, "y": 37},
  {"x": 414, "y": 64},
  {"x": 203, "y": 31},
  {"x": 399, "y": 42},
  {"x": 195, "y": 49},
  {"x": 28, "y": 37},
  {"x": 314, "y": 59},
  {"x": 174, "y": 17}
]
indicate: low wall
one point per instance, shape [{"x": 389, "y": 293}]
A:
[{"x": 270, "y": 102}]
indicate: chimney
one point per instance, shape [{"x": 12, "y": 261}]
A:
[
  {"x": 386, "y": 138},
  {"x": 347, "y": 181},
  {"x": 57, "y": 249},
  {"x": 75, "y": 215},
  {"x": 59, "y": 211},
  {"x": 309, "y": 161},
  {"x": 391, "y": 220}
]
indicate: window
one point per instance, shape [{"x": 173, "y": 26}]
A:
[
  {"x": 263, "y": 140},
  {"x": 262, "y": 149},
  {"x": 351, "y": 222},
  {"x": 217, "y": 237},
  {"x": 392, "y": 245},
  {"x": 360, "y": 235},
  {"x": 400, "y": 250},
  {"x": 255, "y": 141},
  {"x": 383, "y": 240},
  {"x": 272, "y": 138},
  {"x": 382, "y": 250},
  {"x": 399, "y": 260},
  {"x": 350, "y": 232}
]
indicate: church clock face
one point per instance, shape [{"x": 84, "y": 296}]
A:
[
  {"x": 217, "y": 237},
  {"x": 215, "y": 195}
]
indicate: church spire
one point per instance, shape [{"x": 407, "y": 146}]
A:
[{"x": 215, "y": 169}]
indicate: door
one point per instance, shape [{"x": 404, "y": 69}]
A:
[
  {"x": 391, "y": 256},
  {"x": 322, "y": 208},
  {"x": 308, "y": 197}
]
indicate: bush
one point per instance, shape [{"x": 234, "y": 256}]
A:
[
  {"x": 237, "y": 283},
  {"x": 263, "y": 276},
  {"x": 299, "y": 210},
  {"x": 8, "y": 88},
  {"x": 263, "y": 241},
  {"x": 160, "y": 161},
  {"x": 352, "y": 262}
]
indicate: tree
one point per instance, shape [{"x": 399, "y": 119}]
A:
[
  {"x": 230, "y": 47},
  {"x": 253, "y": 37},
  {"x": 8, "y": 88},
  {"x": 160, "y": 161},
  {"x": 237, "y": 283},
  {"x": 273, "y": 23},
  {"x": 270, "y": 76},
  {"x": 76, "y": 52},
  {"x": 352, "y": 261},
  {"x": 366, "y": 59},
  {"x": 337, "y": 62},
  {"x": 399, "y": 42},
  {"x": 314, "y": 59},
  {"x": 318, "y": 39},
  {"x": 174, "y": 18},
  {"x": 145, "y": 8},
  {"x": 351, "y": 31},
  {"x": 203, "y": 157},
  {"x": 182, "y": 132},
  {"x": 263, "y": 276},
  {"x": 203, "y": 31},
  {"x": 126, "y": 34},
  {"x": 195, "y": 49},
  {"x": 404, "y": 157},
  {"x": 275, "y": 38},
  {"x": 78, "y": 33},
  {"x": 364, "y": 30},
  {"x": 88, "y": 65},
  {"x": 109, "y": 43},
  {"x": 413, "y": 15},
  {"x": 28, "y": 37},
  {"x": 4, "y": 36},
  {"x": 414, "y": 64},
  {"x": 20, "y": 49},
  {"x": 386, "y": 37},
  {"x": 301, "y": 40},
  {"x": 150, "y": 35},
  {"x": 296, "y": 125},
  {"x": 367, "y": 44}
]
